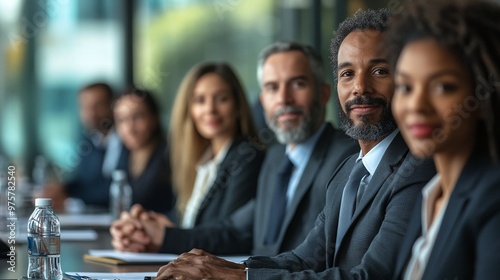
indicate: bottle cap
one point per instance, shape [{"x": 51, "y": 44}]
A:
[
  {"x": 119, "y": 175},
  {"x": 43, "y": 202}
]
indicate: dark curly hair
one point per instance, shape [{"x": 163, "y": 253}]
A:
[
  {"x": 470, "y": 30},
  {"x": 363, "y": 20}
]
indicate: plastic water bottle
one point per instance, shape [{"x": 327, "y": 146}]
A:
[
  {"x": 120, "y": 194},
  {"x": 44, "y": 242}
]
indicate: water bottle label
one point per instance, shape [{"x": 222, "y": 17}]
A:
[{"x": 44, "y": 245}]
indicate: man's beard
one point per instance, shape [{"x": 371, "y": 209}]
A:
[
  {"x": 366, "y": 131},
  {"x": 289, "y": 133}
]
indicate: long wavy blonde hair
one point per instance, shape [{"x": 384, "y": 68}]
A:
[{"x": 186, "y": 144}]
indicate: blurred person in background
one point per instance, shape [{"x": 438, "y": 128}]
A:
[
  {"x": 291, "y": 186},
  {"x": 99, "y": 151},
  {"x": 137, "y": 121},
  {"x": 214, "y": 150}
]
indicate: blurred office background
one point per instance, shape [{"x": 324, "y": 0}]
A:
[{"x": 50, "y": 48}]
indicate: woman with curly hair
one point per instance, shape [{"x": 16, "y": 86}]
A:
[{"x": 447, "y": 76}]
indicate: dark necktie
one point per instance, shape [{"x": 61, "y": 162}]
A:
[
  {"x": 348, "y": 204},
  {"x": 278, "y": 208}
]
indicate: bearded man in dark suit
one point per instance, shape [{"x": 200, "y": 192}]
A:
[{"x": 358, "y": 233}]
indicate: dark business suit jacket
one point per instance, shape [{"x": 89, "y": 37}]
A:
[
  {"x": 153, "y": 188},
  {"x": 332, "y": 148},
  {"x": 468, "y": 242},
  {"x": 234, "y": 186},
  {"x": 88, "y": 181},
  {"x": 243, "y": 232},
  {"x": 368, "y": 249}
]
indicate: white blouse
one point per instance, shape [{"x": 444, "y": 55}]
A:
[
  {"x": 206, "y": 173},
  {"x": 423, "y": 245}
]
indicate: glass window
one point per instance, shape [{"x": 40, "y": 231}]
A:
[
  {"x": 51, "y": 48},
  {"x": 11, "y": 140},
  {"x": 82, "y": 43},
  {"x": 173, "y": 36}
]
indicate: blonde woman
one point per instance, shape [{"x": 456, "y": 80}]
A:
[
  {"x": 215, "y": 162},
  {"x": 215, "y": 157}
]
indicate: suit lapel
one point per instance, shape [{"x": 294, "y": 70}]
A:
[
  {"x": 305, "y": 182},
  {"x": 412, "y": 234},
  {"x": 455, "y": 208},
  {"x": 392, "y": 158},
  {"x": 265, "y": 190},
  {"x": 446, "y": 230},
  {"x": 219, "y": 180},
  {"x": 335, "y": 199}
]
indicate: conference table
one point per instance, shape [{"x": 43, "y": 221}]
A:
[{"x": 72, "y": 256}]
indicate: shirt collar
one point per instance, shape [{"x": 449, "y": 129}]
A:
[
  {"x": 372, "y": 159},
  {"x": 429, "y": 194},
  {"x": 300, "y": 154},
  {"x": 207, "y": 159}
]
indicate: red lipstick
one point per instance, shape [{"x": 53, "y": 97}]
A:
[{"x": 421, "y": 130}]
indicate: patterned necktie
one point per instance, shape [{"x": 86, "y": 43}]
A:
[
  {"x": 348, "y": 204},
  {"x": 278, "y": 208}
]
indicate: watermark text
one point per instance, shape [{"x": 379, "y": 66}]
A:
[{"x": 11, "y": 217}]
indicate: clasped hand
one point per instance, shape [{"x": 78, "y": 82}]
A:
[
  {"x": 139, "y": 230},
  {"x": 143, "y": 231}
]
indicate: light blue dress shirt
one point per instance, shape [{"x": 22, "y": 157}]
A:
[
  {"x": 372, "y": 159},
  {"x": 113, "y": 152},
  {"x": 300, "y": 156}
]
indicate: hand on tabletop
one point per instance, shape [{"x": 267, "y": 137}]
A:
[{"x": 198, "y": 264}]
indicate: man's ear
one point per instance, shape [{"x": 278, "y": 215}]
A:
[{"x": 326, "y": 93}]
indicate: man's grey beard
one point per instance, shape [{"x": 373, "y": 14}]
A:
[
  {"x": 290, "y": 134},
  {"x": 366, "y": 131}
]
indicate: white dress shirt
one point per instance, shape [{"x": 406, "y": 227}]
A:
[
  {"x": 424, "y": 244},
  {"x": 206, "y": 173}
]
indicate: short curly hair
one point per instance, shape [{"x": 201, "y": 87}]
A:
[
  {"x": 470, "y": 30},
  {"x": 363, "y": 20}
]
